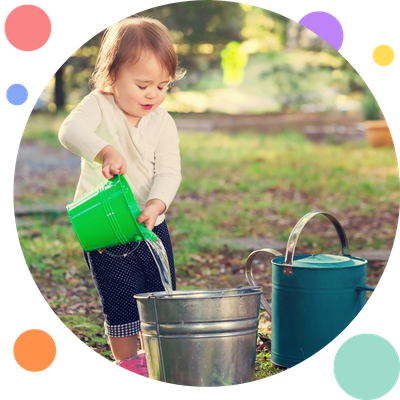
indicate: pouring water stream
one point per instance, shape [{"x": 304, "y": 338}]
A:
[{"x": 160, "y": 257}]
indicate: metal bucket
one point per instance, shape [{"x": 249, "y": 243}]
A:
[{"x": 201, "y": 338}]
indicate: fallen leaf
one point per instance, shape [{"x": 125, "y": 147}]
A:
[
  {"x": 35, "y": 233},
  {"x": 197, "y": 257}
]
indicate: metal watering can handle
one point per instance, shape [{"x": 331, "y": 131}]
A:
[
  {"x": 291, "y": 246},
  {"x": 250, "y": 277}
]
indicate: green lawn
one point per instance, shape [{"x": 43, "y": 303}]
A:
[{"x": 253, "y": 185}]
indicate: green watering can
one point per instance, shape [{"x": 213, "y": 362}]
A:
[
  {"x": 106, "y": 216},
  {"x": 314, "y": 297}
]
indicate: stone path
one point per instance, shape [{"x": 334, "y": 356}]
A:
[{"x": 37, "y": 157}]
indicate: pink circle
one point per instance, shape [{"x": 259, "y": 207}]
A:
[{"x": 27, "y": 27}]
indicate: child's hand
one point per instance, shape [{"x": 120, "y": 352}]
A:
[
  {"x": 154, "y": 208},
  {"x": 113, "y": 162}
]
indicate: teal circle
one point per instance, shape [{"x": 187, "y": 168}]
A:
[{"x": 366, "y": 366}]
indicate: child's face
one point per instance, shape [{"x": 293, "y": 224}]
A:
[{"x": 140, "y": 89}]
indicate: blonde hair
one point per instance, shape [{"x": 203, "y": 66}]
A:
[{"x": 125, "y": 41}]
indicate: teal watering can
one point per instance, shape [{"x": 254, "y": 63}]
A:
[{"x": 314, "y": 297}]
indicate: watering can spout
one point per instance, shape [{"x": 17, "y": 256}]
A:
[
  {"x": 250, "y": 278},
  {"x": 147, "y": 233}
]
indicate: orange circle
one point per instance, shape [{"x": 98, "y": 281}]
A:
[{"x": 34, "y": 350}]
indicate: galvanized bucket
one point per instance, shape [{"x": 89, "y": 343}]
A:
[
  {"x": 201, "y": 338},
  {"x": 314, "y": 297}
]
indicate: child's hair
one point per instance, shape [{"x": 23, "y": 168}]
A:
[{"x": 125, "y": 41}]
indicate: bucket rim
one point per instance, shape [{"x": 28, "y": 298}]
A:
[{"x": 201, "y": 294}]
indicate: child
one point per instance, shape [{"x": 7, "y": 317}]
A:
[{"x": 119, "y": 128}]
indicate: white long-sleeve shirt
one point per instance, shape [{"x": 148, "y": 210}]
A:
[{"x": 151, "y": 150}]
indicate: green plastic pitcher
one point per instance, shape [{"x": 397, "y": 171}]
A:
[{"x": 106, "y": 216}]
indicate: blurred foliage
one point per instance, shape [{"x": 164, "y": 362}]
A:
[
  {"x": 370, "y": 108},
  {"x": 196, "y": 24},
  {"x": 299, "y": 68},
  {"x": 233, "y": 61},
  {"x": 306, "y": 76}
]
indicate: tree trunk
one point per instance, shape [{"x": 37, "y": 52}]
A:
[{"x": 59, "y": 95}]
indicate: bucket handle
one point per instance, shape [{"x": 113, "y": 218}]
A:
[
  {"x": 250, "y": 277},
  {"x": 292, "y": 242}
]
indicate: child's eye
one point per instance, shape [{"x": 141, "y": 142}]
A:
[
  {"x": 160, "y": 88},
  {"x": 143, "y": 88}
]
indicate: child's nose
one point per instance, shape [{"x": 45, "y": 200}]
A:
[{"x": 151, "y": 93}]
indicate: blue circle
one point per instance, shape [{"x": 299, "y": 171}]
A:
[
  {"x": 366, "y": 365},
  {"x": 17, "y": 94}
]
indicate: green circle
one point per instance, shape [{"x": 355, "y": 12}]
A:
[{"x": 366, "y": 366}]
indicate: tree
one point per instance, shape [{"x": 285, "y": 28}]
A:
[
  {"x": 59, "y": 94},
  {"x": 201, "y": 28},
  {"x": 197, "y": 27}
]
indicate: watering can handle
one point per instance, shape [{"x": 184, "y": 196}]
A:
[
  {"x": 250, "y": 277},
  {"x": 291, "y": 246}
]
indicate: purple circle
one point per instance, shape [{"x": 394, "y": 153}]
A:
[{"x": 325, "y": 23}]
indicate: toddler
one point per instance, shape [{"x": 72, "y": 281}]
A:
[{"x": 120, "y": 128}]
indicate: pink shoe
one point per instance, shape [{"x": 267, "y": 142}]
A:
[
  {"x": 142, "y": 356},
  {"x": 136, "y": 364}
]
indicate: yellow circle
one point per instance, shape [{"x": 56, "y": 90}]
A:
[{"x": 383, "y": 54}]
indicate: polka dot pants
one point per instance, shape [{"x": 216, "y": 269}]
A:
[{"x": 118, "y": 279}]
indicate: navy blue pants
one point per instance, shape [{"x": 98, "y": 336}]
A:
[{"x": 118, "y": 279}]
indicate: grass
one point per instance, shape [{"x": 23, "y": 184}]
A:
[
  {"x": 43, "y": 128},
  {"x": 50, "y": 245},
  {"x": 264, "y": 366},
  {"x": 254, "y": 163},
  {"x": 234, "y": 185},
  {"x": 89, "y": 331},
  {"x": 244, "y": 185}
]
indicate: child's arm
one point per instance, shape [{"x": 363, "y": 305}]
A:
[
  {"x": 167, "y": 177},
  {"x": 149, "y": 215},
  {"x": 77, "y": 132},
  {"x": 112, "y": 160}
]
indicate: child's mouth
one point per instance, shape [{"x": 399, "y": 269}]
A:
[{"x": 147, "y": 106}]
